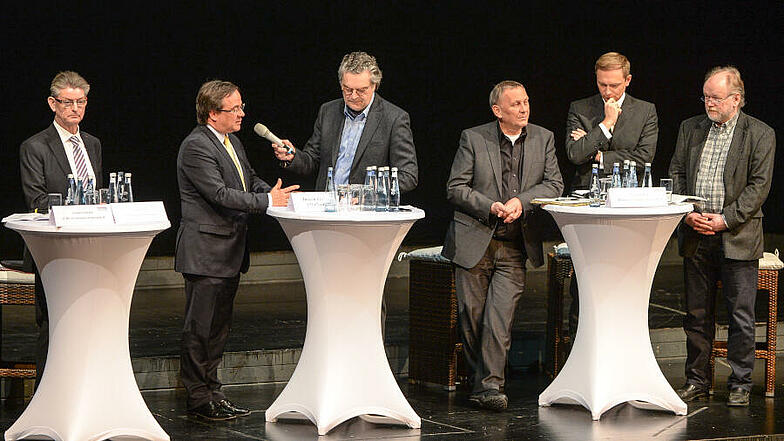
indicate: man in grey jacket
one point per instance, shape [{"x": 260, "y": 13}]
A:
[{"x": 498, "y": 169}]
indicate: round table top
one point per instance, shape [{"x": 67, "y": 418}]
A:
[
  {"x": 409, "y": 213},
  {"x": 626, "y": 211},
  {"x": 44, "y": 227}
]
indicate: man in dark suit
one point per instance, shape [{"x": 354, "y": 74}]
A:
[
  {"x": 356, "y": 131},
  {"x": 46, "y": 159},
  {"x": 498, "y": 169},
  {"x": 609, "y": 127},
  {"x": 218, "y": 190},
  {"x": 726, "y": 157}
]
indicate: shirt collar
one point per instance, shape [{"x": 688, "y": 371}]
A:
[
  {"x": 65, "y": 135},
  {"x": 729, "y": 124},
  {"x": 364, "y": 111},
  {"x": 221, "y": 136},
  {"x": 502, "y": 135}
]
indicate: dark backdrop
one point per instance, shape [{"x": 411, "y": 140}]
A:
[{"x": 145, "y": 62}]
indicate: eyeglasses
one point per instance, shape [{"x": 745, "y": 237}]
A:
[
  {"x": 235, "y": 110},
  {"x": 713, "y": 99},
  {"x": 361, "y": 91},
  {"x": 81, "y": 102}
]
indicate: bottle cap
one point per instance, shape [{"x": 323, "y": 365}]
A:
[
  {"x": 128, "y": 175},
  {"x": 647, "y": 164}
]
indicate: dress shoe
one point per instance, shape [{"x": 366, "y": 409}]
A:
[
  {"x": 490, "y": 399},
  {"x": 739, "y": 397},
  {"x": 690, "y": 392},
  {"x": 212, "y": 411},
  {"x": 233, "y": 408}
]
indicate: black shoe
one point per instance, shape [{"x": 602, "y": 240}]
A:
[
  {"x": 739, "y": 397},
  {"x": 690, "y": 392},
  {"x": 212, "y": 411},
  {"x": 490, "y": 399},
  {"x": 233, "y": 408}
]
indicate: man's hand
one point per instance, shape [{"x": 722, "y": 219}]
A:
[
  {"x": 611, "y": 111},
  {"x": 700, "y": 222},
  {"x": 498, "y": 209},
  {"x": 513, "y": 208},
  {"x": 577, "y": 134},
  {"x": 280, "y": 196},
  {"x": 282, "y": 151},
  {"x": 716, "y": 222}
]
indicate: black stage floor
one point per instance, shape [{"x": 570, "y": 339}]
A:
[{"x": 448, "y": 416}]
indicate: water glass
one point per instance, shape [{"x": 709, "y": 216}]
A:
[
  {"x": 343, "y": 195},
  {"x": 368, "y": 198},
  {"x": 354, "y": 197},
  {"x": 667, "y": 184},
  {"x": 604, "y": 185},
  {"x": 103, "y": 196},
  {"x": 54, "y": 199}
]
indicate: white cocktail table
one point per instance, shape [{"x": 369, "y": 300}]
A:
[
  {"x": 88, "y": 391},
  {"x": 343, "y": 371},
  {"x": 615, "y": 252}
]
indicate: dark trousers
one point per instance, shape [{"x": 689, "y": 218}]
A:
[
  {"x": 739, "y": 286},
  {"x": 209, "y": 302},
  {"x": 487, "y": 296},
  {"x": 42, "y": 320}
]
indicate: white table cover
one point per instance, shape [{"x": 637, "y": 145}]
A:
[
  {"x": 343, "y": 371},
  {"x": 88, "y": 391},
  {"x": 615, "y": 252}
]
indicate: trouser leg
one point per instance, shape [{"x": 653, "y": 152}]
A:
[
  {"x": 700, "y": 275},
  {"x": 471, "y": 290},
  {"x": 739, "y": 285}
]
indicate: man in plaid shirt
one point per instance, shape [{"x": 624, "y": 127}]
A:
[{"x": 726, "y": 157}]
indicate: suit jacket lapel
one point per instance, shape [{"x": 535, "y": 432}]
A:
[
  {"x": 334, "y": 137},
  {"x": 733, "y": 155},
  {"x": 373, "y": 119},
  {"x": 626, "y": 113},
  {"x": 529, "y": 145},
  {"x": 696, "y": 145},
  {"x": 494, "y": 152},
  {"x": 55, "y": 144},
  {"x": 224, "y": 155}
]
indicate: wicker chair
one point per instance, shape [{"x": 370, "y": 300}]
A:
[
  {"x": 16, "y": 288},
  {"x": 558, "y": 268}
]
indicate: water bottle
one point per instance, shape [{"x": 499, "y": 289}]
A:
[
  {"x": 382, "y": 189},
  {"x": 332, "y": 200},
  {"x": 394, "y": 191},
  {"x": 70, "y": 198},
  {"x": 89, "y": 190},
  {"x": 128, "y": 189},
  {"x": 625, "y": 176},
  {"x": 369, "y": 189},
  {"x": 633, "y": 174},
  {"x": 595, "y": 190},
  {"x": 647, "y": 180},
  {"x": 112, "y": 188},
  {"x": 80, "y": 193},
  {"x": 616, "y": 176},
  {"x": 120, "y": 187}
]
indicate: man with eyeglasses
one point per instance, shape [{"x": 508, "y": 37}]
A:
[
  {"x": 611, "y": 126},
  {"x": 359, "y": 130},
  {"x": 46, "y": 159},
  {"x": 218, "y": 191},
  {"x": 726, "y": 157}
]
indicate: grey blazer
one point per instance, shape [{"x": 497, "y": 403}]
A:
[
  {"x": 212, "y": 238},
  {"x": 747, "y": 178},
  {"x": 44, "y": 166},
  {"x": 475, "y": 183},
  {"x": 634, "y": 137},
  {"x": 386, "y": 140}
]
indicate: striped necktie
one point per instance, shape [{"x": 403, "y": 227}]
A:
[
  {"x": 233, "y": 155},
  {"x": 79, "y": 160}
]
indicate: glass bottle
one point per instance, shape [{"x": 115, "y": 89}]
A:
[
  {"x": 394, "y": 190},
  {"x": 70, "y": 198},
  {"x": 625, "y": 176},
  {"x": 120, "y": 186},
  {"x": 595, "y": 190},
  {"x": 616, "y": 176},
  {"x": 633, "y": 174},
  {"x": 128, "y": 189},
  {"x": 331, "y": 204},
  {"x": 382, "y": 189},
  {"x": 369, "y": 189},
  {"x": 647, "y": 180},
  {"x": 113, "y": 188}
]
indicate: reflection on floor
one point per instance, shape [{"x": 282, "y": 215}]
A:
[{"x": 448, "y": 416}]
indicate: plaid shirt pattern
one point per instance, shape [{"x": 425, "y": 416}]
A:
[{"x": 710, "y": 175}]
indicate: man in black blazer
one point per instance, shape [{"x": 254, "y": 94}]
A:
[
  {"x": 46, "y": 159},
  {"x": 726, "y": 157},
  {"x": 498, "y": 169},
  {"x": 609, "y": 127},
  {"x": 359, "y": 130},
  {"x": 218, "y": 190}
]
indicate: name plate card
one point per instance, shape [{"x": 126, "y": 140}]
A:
[
  {"x": 65, "y": 215},
  {"x": 311, "y": 201},
  {"x": 129, "y": 213},
  {"x": 637, "y": 197}
]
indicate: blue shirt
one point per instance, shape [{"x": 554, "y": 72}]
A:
[{"x": 349, "y": 140}]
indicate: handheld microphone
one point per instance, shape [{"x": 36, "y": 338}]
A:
[{"x": 265, "y": 133}]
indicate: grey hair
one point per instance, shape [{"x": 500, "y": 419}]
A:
[
  {"x": 358, "y": 62},
  {"x": 66, "y": 79},
  {"x": 500, "y": 88},
  {"x": 733, "y": 80}
]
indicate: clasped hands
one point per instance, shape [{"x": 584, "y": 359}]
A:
[
  {"x": 509, "y": 212},
  {"x": 706, "y": 223}
]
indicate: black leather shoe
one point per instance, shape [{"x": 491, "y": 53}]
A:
[
  {"x": 212, "y": 411},
  {"x": 739, "y": 397},
  {"x": 490, "y": 399},
  {"x": 233, "y": 408},
  {"x": 690, "y": 392}
]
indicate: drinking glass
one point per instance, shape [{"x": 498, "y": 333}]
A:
[
  {"x": 604, "y": 185},
  {"x": 343, "y": 195},
  {"x": 368, "y": 198},
  {"x": 667, "y": 184},
  {"x": 103, "y": 196},
  {"x": 54, "y": 199},
  {"x": 354, "y": 197}
]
